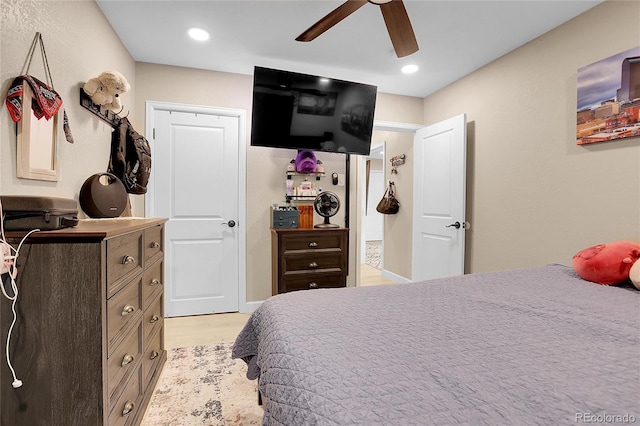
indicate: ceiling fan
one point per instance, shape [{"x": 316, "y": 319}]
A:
[{"x": 395, "y": 17}]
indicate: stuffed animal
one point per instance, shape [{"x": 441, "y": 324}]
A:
[
  {"x": 105, "y": 90},
  {"x": 306, "y": 162},
  {"x": 608, "y": 263}
]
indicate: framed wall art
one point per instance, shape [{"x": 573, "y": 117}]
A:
[{"x": 609, "y": 99}]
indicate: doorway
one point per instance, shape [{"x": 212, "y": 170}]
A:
[{"x": 366, "y": 275}]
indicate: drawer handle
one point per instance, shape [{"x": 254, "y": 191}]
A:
[
  {"x": 127, "y": 310},
  {"x": 154, "y": 355},
  {"x": 313, "y": 265},
  {"x": 128, "y": 407},
  {"x": 313, "y": 285},
  {"x": 154, "y": 282},
  {"x": 154, "y": 318},
  {"x": 127, "y": 359},
  {"x": 128, "y": 259},
  {"x": 313, "y": 244},
  {"x": 155, "y": 244}
]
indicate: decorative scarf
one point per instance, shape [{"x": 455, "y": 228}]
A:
[{"x": 46, "y": 103}]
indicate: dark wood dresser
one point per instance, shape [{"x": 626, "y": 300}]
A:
[
  {"x": 88, "y": 343},
  {"x": 305, "y": 259}
]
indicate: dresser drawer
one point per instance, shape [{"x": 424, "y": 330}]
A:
[
  {"x": 320, "y": 240},
  {"x": 153, "y": 243},
  {"x": 151, "y": 355},
  {"x": 313, "y": 261},
  {"x": 123, "y": 310},
  {"x": 125, "y": 408},
  {"x": 124, "y": 360},
  {"x": 152, "y": 320},
  {"x": 152, "y": 282},
  {"x": 310, "y": 281},
  {"x": 124, "y": 259}
]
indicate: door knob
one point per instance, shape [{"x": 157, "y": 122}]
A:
[
  {"x": 454, "y": 225},
  {"x": 230, "y": 224}
]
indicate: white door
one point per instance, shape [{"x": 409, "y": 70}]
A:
[
  {"x": 196, "y": 182},
  {"x": 439, "y": 193},
  {"x": 374, "y": 220}
]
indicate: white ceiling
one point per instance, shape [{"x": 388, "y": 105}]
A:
[{"x": 455, "y": 37}]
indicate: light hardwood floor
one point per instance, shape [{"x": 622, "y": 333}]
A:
[{"x": 180, "y": 332}]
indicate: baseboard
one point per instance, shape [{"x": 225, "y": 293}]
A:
[
  {"x": 394, "y": 277},
  {"x": 249, "y": 307}
]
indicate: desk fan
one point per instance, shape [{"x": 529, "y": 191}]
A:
[{"x": 326, "y": 205}]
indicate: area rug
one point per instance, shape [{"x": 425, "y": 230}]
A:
[
  {"x": 202, "y": 385},
  {"x": 374, "y": 254}
]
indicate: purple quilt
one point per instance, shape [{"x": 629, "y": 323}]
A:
[{"x": 538, "y": 346}]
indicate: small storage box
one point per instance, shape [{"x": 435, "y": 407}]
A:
[
  {"x": 24, "y": 212},
  {"x": 284, "y": 217}
]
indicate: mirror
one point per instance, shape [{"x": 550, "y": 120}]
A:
[{"x": 36, "y": 143}]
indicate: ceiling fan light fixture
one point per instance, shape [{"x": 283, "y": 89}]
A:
[
  {"x": 410, "y": 69},
  {"x": 379, "y": 2},
  {"x": 198, "y": 34}
]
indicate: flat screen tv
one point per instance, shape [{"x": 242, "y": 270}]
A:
[{"x": 300, "y": 111}]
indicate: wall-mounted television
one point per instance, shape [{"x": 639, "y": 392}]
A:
[{"x": 301, "y": 111}]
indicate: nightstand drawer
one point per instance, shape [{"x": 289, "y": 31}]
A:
[
  {"x": 123, "y": 310},
  {"x": 124, "y": 360},
  {"x": 313, "y": 261},
  {"x": 311, "y": 281},
  {"x": 319, "y": 240},
  {"x": 124, "y": 258}
]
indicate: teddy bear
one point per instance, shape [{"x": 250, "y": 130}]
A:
[
  {"x": 610, "y": 263},
  {"x": 105, "y": 90}
]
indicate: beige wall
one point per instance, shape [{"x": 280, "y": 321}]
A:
[
  {"x": 80, "y": 44},
  {"x": 534, "y": 197}
]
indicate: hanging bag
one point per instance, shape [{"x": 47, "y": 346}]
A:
[
  {"x": 130, "y": 158},
  {"x": 389, "y": 203}
]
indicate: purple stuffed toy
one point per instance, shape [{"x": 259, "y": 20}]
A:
[{"x": 306, "y": 162}]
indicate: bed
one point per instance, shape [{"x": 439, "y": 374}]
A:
[{"x": 531, "y": 346}]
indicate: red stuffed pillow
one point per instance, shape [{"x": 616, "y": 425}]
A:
[{"x": 607, "y": 263}]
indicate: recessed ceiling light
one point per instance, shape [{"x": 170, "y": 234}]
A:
[
  {"x": 410, "y": 69},
  {"x": 198, "y": 34}
]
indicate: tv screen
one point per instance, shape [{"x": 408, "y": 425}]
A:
[{"x": 300, "y": 111}]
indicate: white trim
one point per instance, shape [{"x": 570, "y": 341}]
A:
[
  {"x": 392, "y": 126},
  {"x": 153, "y": 106}
]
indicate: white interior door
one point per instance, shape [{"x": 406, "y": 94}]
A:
[
  {"x": 196, "y": 182},
  {"x": 440, "y": 152}
]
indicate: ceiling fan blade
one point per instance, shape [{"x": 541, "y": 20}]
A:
[
  {"x": 331, "y": 19},
  {"x": 399, "y": 28}
]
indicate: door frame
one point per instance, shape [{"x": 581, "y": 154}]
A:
[
  {"x": 363, "y": 199},
  {"x": 151, "y": 107},
  {"x": 388, "y": 126}
]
